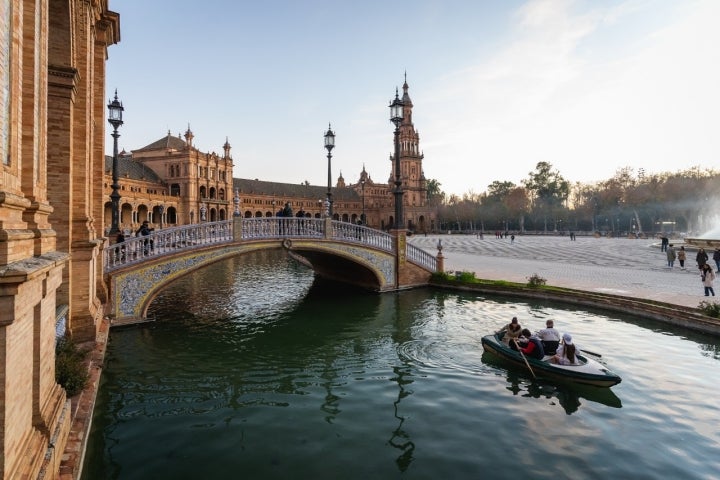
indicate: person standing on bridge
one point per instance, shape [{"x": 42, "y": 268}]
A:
[
  {"x": 716, "y": 257},
  {"x": 144, "y": 231}
]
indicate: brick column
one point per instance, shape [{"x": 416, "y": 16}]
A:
[{"x": 400, "y": 247}]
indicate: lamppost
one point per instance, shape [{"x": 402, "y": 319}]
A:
[
  {"x": 396, "y": 117},
  {"x": 362, "y": 217},
  {"x": 329, "y": 144},
  {"x": 115, "y": 110},
  {"x": 274, "y": 212}
]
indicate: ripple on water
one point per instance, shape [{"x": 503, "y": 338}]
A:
[{"x": 283, "y": 382}]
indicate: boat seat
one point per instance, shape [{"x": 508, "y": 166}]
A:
[{"x": 550, "y": 346}]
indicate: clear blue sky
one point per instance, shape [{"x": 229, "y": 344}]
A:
[{"x": 498, "y": 86}]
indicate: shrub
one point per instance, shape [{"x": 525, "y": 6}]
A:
[
  {"x": 465, "y": 276},
  {"x": 536, "y": 280},
  {"x": 441, "y": 276},
  {"x": 70, "y": 369},
  {"x": 710, "y": 309}
]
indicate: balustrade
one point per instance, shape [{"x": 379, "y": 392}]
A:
[{"x": 171, "y": 240}]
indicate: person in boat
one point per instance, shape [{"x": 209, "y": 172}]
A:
[
  {"x": 534, "y": 347},
  {"x": 567, "y": 342},
  {"x": 566, "y": 353},
  {"x": 549, "y": 337},
  {"x": 512, "y": 332}
]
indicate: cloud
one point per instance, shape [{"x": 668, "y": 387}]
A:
[{"x": 587, "y": 90}]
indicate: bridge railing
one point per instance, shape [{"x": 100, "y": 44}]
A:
[
  {"x": 139, "y": 249},
  {"x": 421, "y": 257},
  {"x": 349, "y": 232},
  {"x": 280, "y": 227},
  {"x": 171, "y": 240}
]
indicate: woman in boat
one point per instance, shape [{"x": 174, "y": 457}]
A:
[
  {"x": 566, "y": 353},
  {"x": 512, "y": 332},
  {"x": 534, "y": 347}
]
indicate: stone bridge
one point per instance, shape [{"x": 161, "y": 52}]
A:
[{"x": 137, "y": 269}]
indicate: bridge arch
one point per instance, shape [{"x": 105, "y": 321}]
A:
[
  {"x": 134, "y": 288},
  {"x": 137, "y": 269}
]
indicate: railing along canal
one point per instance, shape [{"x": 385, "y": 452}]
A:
[{"x": 171, "y": 240}]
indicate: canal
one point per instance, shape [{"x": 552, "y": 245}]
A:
[{"x": 252, "y": 369}]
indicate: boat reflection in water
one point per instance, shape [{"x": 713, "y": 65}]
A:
[{"x": 568, "y": 395}]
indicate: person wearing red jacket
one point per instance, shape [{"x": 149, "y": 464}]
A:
[{"x": 534, "y": 346}]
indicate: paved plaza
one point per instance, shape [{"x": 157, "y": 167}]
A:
[{"x": 617, "y": 266}]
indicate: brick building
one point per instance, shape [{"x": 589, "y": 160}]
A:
[
  {"x": 170, "y": 182},
  {"x": 52, "y": 120}
]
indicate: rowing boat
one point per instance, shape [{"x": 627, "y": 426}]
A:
[{"x": 588, "y": 372}]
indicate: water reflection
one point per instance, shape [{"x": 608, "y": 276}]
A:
[
  {"x": 569, "y": 396},
  {"x": 400, "y": 438},
  {"x": 254, "y": 366}
]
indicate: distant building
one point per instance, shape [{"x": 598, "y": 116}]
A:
[{"x": 170, "y": 182}]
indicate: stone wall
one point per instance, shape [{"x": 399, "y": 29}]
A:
[{"x": 52, "y": 55}]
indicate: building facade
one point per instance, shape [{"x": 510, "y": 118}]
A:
[
  {"x": 169, "y": 182},
  {"x": 52, "y": 102}
]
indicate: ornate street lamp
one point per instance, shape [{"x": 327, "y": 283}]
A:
[
  {"x": 362, "y": 217},
  {"x": 115, "y": 112},
  {"x": 396, "y": 117},
  {"x": 329, "y": 144}
]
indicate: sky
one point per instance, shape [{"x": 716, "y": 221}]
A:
[{"x": 587, "y": 86}]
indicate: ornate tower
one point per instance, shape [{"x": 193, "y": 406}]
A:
[
  {"x": 413, "y": 178},
  {"x": 226, "y": 148}
]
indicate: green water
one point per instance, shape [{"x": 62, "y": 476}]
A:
[{"x": 251, "y": 370}]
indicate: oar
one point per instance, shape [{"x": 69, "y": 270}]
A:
[
  {"x": 523, "y": 357},
  {"x": 591, "y": 353}
]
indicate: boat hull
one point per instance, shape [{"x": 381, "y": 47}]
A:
[{"x": 590, "y": 373}]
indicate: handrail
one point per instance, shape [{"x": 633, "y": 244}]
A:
[
  {"x": 138, "y": 249},
  {"x": 421, "y": 257},
  {"x": 171, "y": 240}
]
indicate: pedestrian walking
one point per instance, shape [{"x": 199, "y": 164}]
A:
[
  {"x": 707, "y": 275},
  {"x": 701, "y": 258},
  {"x": 670, "y": 256},
  {"x": 681, "y": 256},
  {"x": 664, "y": 243},
  {"x": 716, "y": 257}
]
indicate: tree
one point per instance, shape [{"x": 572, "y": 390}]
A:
[
  {"x": 549, "y": 191},
  {"x": 435, "y": 196}
]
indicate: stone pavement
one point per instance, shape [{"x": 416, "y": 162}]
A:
[{"x": 620, "y": 266}]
